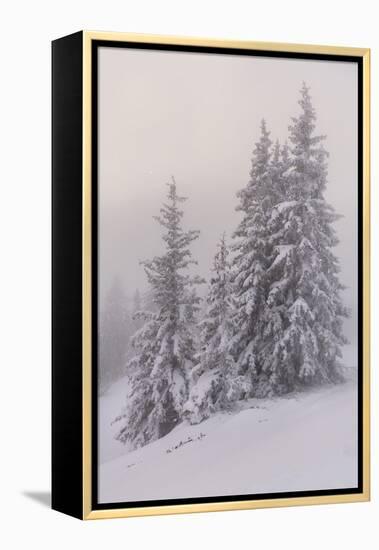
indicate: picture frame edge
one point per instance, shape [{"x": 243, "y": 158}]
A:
[{"x": 87, "y": 467}]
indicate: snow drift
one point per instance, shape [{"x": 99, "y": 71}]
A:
[{"x": 305, "y": 441}]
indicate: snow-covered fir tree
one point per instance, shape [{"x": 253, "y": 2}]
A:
[
  {"x": 216, "y": 379},
  {"x": 165, "y": 346},
  {"x": 114, "y": 334},
  {"x": 268, "y": 316},
  {"x": 303, "y": 332},
  {"x": 252, "y": 256}
]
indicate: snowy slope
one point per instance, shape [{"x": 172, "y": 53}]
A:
[
  {"x": 302, "y": 442},
  {"x": 110, "y": 406}
]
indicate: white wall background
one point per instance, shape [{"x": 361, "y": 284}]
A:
[{"x": 27, "y": 28}]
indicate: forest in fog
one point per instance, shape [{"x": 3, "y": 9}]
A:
[{"x": 268, "y": 319}]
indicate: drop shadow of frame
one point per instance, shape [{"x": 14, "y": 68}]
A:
[{"x": 41, "y": 497}]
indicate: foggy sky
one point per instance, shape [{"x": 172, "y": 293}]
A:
[{"x": 197, "y": 116}]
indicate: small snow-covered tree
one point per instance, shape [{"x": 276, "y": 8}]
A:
[
  {"x": 114, "y": 334},
  {"x": 137, "y": 308},
  {"x": 165, "y": 345},
  {"x": 136, "y": 322},
  {"x": 148, "y": 301},
  {"x": 217, "y": 382},
  {"x": 304, "y": 329},
  {"x": 252, "y": 256},
  {"x": 137, "y": 303}
]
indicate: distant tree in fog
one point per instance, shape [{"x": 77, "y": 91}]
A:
[{"x": 114, "y": 335}]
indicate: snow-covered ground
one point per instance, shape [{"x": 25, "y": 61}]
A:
[
  {"x": 306, "y": 441},
  {"x": 110, "y": 405}
]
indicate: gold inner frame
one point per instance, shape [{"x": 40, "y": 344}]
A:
[{"x": 88, "y": 513}]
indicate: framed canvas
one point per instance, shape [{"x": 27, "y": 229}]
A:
[{"x": 210, "y": 275}]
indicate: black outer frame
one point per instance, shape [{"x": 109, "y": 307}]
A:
[
  {"x": 67, "y": 414},
  {"x": 67, "y": 163}
]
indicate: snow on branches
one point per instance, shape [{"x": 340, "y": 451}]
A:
[{"x": 165, "y": 346}]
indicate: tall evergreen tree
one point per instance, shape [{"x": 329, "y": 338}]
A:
[
  {"x": 216, "y": 379},
  {"x": 115, "y": 329},
  {"x": 165, "y": 345},
  {"x": 269, "y": 314},
  {"x": 252, "y": 256},
  {"x": 304, "y": 331}
]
